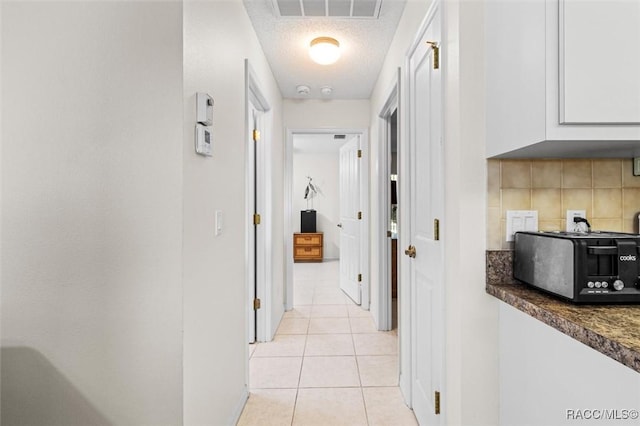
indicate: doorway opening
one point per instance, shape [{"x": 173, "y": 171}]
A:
[
  {"x": 329, "y": 182},
  {"x": 388, "y": 225},
  {"x": 393, "y": 215}
]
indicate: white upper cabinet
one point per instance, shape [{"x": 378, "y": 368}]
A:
[
  {"x": 599, "y": 61},
  {"x": 560, "y": 71}
]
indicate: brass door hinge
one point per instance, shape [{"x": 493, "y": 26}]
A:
[
  {"x": 256, "y": 135},
  {"x": 436, "y": 229},
  {"x": 256, "y": 219},
  {"x": 359, "y": 153},
  {"x": 436, "y": 402},
  {"x": 359, "y": 215},
  {"x": 436, "y": 54},
  {"x": 359, "y": 278},
  {"x": 256, "y": 304}
]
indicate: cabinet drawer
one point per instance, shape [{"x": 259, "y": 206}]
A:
[
  {"x": 307, "y": 240},
  {"x": 308, "y": 253}
]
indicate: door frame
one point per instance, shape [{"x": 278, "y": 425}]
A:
[
  {"x": 404, "y": 187},
  {"x": 254, "y": 95},
  {"x": 393, "y": 103},
  {"x": 288, "y": 209}
]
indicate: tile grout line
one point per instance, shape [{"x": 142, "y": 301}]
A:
[
  {"x": 304, "y": 350},
  {"x": 355, "y": 357},
  {"x": 295, "y": 402}
]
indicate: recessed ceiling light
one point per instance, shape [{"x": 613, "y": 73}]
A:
[{"x": 324, "y": 50}]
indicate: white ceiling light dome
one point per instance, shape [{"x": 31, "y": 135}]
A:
[{"x": 324, "y": 50}]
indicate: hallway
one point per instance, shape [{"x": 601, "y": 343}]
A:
[{"x": 327, "y": 364}]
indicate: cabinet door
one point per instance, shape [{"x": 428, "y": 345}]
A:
[{"x": 599, "y": 61}]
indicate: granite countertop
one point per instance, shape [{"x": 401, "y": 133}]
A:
[{"x": 613, "y": 330}]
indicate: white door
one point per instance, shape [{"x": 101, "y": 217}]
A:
[
  {"x": 252, "y": 269},
  {"x": 257, "y": 257},
  {"x": 426, "y": 205},
  {"x": 350, "y": 214}
]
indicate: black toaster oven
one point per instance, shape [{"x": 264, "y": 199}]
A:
[{"x": 594, "y": 267}]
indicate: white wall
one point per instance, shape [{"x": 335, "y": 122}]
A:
[
  {"x": 91, "y": 213},
  {"x": 107, "y": 213},
  {"x": 471, "y": 314},
  {"x": 324, "y": 168},
  {"x": 218, "y": 37},
  {"x": 544, "y": 374},
  {"x": 326, "y": 114}
]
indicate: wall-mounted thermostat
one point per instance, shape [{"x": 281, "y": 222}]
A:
[
  {"x": 203, "y": 141},
  {"x": 204, "y": 109}
]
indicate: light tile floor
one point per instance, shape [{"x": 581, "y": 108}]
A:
[{"x": 327, "y": 364}]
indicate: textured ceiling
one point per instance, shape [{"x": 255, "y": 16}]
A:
[{"x": 364, "y": 44}]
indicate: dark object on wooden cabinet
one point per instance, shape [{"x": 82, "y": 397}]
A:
[{"x": 307, "y": 221}]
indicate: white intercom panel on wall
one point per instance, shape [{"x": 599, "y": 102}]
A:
[
  {"x": 203, "y": 141},
  {"x": 204, "y": 109}
]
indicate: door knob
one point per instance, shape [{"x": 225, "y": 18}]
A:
[
  {"x": 339, "y": 225},
  {"x": 411, "y": 252}
]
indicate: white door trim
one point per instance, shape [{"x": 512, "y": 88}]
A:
[
  {"x": 384, "y": 319},
  {"x": 254, "y": 95},
  {"x": 288, "y": 209}
]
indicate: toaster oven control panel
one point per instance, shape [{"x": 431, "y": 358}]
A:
[{"x": 606, "y": 285}]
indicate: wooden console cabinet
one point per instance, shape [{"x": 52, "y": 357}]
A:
[{"x": 307, "y": 247}]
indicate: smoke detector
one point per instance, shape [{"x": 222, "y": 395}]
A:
[
  {"x": 303, "y": 90},
  {"x": 326, "y": 90}
]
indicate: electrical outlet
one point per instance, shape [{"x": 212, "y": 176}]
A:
[
  {"x": 521, "y": 220},
  {"x": 571, "y": 225}
]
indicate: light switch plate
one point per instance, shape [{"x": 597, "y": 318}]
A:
[
  {"x": 521, "y": 220},
  {"x": 636, "y": 166},
  {"x": 570, "y": 225}
]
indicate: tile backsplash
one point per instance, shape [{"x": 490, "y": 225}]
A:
[{"x": 605, "y": 188}]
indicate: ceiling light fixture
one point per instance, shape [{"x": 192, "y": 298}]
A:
[{"x": 324, "y": 50}]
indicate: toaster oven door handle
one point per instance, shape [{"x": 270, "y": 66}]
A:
[{"x": 602, "y": 250}]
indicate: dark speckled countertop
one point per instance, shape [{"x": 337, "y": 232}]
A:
[{"x": 613, "y": 330}]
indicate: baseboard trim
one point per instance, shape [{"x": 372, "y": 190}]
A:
[{"x": 237, "y": 411}]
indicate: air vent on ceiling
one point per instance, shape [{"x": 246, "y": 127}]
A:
[
  {"x": 339, "y": 136},
  {"x": 327, "y": 8}
]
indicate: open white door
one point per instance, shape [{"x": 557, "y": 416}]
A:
[
  {"x": 252, "y": 264},
  {"x": 262, "y": 309},
  {"x": 426, "y": 206},
  {"x": 350, "y": 220}
]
